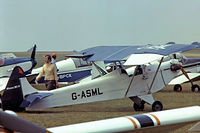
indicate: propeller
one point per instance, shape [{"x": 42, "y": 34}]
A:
[
  {"x": 183, "y": 70},
  {"x": 34, "y": 62},
  {"x": 14, "y": 123},
  {"x": 186, "y": 75}
]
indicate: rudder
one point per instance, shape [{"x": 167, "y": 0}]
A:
[{"x": 13, "y": 95}]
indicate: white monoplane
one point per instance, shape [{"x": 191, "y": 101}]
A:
[{"x": 153, "y": 68}]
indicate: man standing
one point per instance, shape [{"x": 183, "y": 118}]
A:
[{"x": 49, "y": 70}]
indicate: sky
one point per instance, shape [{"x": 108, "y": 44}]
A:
[{"x": 67, "y": 25}]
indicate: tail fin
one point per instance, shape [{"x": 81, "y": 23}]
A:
[
  {"x": 33, "y": 52},
  {"x": 13, "y": 95},
  {"x": 16, "y": 88}
]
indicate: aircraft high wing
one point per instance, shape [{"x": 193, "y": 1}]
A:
[
  {"x": 147, "y": 77},
  {"x": 8, "y": 64},
  {"x": 118, "y": 53},
  {"x": 149, "y": 122}
]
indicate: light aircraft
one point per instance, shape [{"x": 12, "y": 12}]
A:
[
  {"x": 77, "y": 69},
  {"x": 7, "y": 63},
  {"x": 162, "y": 121},
  {"x": 153, "y": 67},
  {"x": 69, "y": 70},
  {"x": 192, "y": 77}
]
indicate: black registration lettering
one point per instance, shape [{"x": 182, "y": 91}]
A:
[
  {"x": 86, "y": 93},
  {"x": 74, "y": 97},
  {"x": 83, "y": 95}
]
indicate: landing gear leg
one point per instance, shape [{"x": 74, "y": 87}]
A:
[{"x": 139, "y": 107}]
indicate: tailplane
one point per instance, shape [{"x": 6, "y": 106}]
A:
[{"x": 13, "y": 94}]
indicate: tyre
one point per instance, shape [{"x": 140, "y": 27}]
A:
[
  {"x": 177, "y": 88},
  {"x": 195, "y": 88},
  {"x": 157, "y": 106}
]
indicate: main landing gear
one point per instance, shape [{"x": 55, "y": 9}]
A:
[
  {"x": 139, "y": 107},
  {"x": 157, "y": 106},
  {"x": 194, "y": 88},
  {"x": 139, "y": 104}
]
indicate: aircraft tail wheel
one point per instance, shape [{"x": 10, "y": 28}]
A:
[
  {"x": 139, "y": 107},
  {"x": 157, "y": 106},
  {"x": 177, "y": 88},
  {"x": 195, "y": 88}
]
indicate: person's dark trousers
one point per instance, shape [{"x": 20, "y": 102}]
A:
[{"x": 50, "y": 84}]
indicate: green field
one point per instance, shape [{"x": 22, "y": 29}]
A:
[{"x": 101, "y": 110}]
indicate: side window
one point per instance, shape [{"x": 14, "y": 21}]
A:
[{"x": 80, "y": 62}]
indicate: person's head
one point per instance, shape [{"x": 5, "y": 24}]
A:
[
  {"x": 47, "y": 58},
  {"x": 53, "y": 55}
]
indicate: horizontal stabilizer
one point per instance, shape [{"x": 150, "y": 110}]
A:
[
  {"x": 139, "y": 59},
  {"x": 34, "y": 98},
  {"x": 3, "y": 83},
  {"x": 7, "y": 55},
  {"x": 79, "y": 55}
]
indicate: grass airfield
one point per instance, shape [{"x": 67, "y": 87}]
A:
[{"x": 108, "y": 109}]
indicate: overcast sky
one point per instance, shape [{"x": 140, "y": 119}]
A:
[{"x": 66, "y": 25}]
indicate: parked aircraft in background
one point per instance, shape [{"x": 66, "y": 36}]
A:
[
  {"x": 77, "y": 69},
  {"x": 149, "y": 75},
  {"x": 192, "y": 77},
  {"x": 69, "y": 70},
  {"x": 7, "y": 64},
  {"x": 154, "y": 121}
]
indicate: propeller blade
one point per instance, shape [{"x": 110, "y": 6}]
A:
[
  {"x": 14, "y": 123},
  {"x": 186, "y": 75},
  {"x": 33, "y": 52}
]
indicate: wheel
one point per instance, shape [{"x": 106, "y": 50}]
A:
[
  {"x": 139, "y": 107},
  {"x": 195, "y": 88},
  {"x": 157, "y": 106},
  {"x": 177, "y": 88}
]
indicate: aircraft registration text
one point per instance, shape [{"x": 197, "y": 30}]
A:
[{"x": 86, "y": 93}]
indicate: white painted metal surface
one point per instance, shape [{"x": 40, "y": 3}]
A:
[{"x": 127, "y": 123}]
